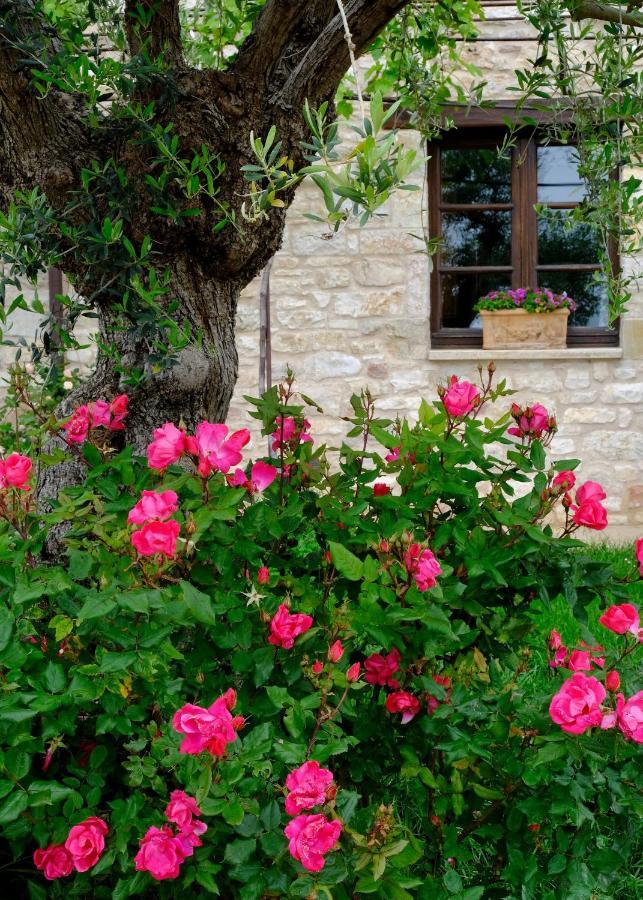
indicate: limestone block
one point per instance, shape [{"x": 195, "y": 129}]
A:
[
  {"x": 624, "y": 393},
  {"x": 374, "y": 273},
  {"x": 589, "y": 414},
  {"x": 329, "y": 364},
  {"x": 578, "y": 376},
  {"x": 370, "y": 303}
]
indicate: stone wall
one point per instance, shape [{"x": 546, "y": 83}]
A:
[{"x": 353, "y": 310}]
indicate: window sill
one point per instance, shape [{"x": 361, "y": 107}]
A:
[{"x": 478, "y": 353}]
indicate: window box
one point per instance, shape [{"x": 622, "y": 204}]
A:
[{"x": 513, "y": 329}]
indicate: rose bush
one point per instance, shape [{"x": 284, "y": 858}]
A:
[{"x": 262, "y": 678}]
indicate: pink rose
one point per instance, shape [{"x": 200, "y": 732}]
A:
[
  {"x": 423, "y": 566},
  {"x": 285, "y": 627},
  {"x": 405, "y": 703},
  {"x": 393, "y": 456},
  {"x": 209, "y": 729},
  {"x": 161, "y": 853},
  {"x": 216, "y": 451},
  {"x": 335, "y": 651},
  {"x": 263, "y": 575},
  {"x": 460, "y": 398},
  {"x": 638, "y": 549},
  {"x": 287, "y": 434},
  {"x": 579, "y": 661},
  {"x": 590, "y": 490},
  {"x": 77, "y": 426},
  {"x": 621, "y": 618},
  {"x": 379, "y": 669},
  {"x": 100, "y": 414},
  {"x": 55, "y": 861},
  {"x": 86, "y": 842},
  {"x": 181, "y": 810},
  {"x": 310, "y": 837},
  {"x": 15, "y": 471},
  {"x": 533, "y": 421},
  {"x": 565, "y": 480},
  {"x": 118, "y": 409},
  {"x": 353, "y": 672},
  {"x": 577, "y": 705},
  {"x": 612, "y": 681},
  {"x": 262, "y": 476},
  {"x": 307, "y": 786},
  {"x": 433, "y": 702},
  {"x": 153, "y": 507},
  {"x": 630, "y": 717},
  {"x": 592, "y": 514},
  {"x": 167, "y": 447},
  {"x": 157, "y": 537}
]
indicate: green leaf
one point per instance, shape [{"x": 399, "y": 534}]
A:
[
  {"x": 537, "y": 455},
  {"x": 346, "y": 563},
  {"x": 97, "y": 607},
  {"x": 487, "y": 793},
  {"x": 6, "y": 626},
  {"x": 13, "y": 806},
  {"x": 61, "y": 626},
  {"x": 238, "y": 852},
  {"x": 199, "y": 604},
  {"x": 54, "y": 677},
  {"x": 80, "y": 564}
]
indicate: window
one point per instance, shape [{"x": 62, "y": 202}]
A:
[{"x": 481, "y": 210}]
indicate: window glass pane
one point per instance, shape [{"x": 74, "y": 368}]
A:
[
  {"x": 475, "y": 176},
  {"x": 477, "y": 238},
  {"x": 556, "y": 244},
  {"x": 589, "y": 294},
  {"x": 558, "y": 178},
  {"x": 461, "y": 291}
]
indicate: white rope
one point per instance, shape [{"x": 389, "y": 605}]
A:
[{"x": 351, "y": 53}]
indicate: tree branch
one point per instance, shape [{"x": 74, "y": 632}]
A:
[
  {"x": 605, "y": 12},
  {"x": 272, "y": 32},
  {"x": 154, "y": 27},
  {"x": 321, "y": 69},
  {"x": 43, "y": 140}
]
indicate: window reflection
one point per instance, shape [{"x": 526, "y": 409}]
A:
[
  {"x": 589, "y": 294},
  {"x": 475, "y": 176},
  {"x": 477, "y": 238},
  {"x": 558, "y": 244},
  {"x": 558, "y": 178},
  {"x": 461, "y": 291}
]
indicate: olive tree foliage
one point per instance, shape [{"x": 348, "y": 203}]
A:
[{"x": 150, "y": 149}]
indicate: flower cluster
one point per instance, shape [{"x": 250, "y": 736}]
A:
[
  {"x": 536, "y": 300},
  {"x": 159, "y": 533},
  {"x": 532, "y": 422},
  {"x": 99, "y": 414},
  {"x": 288, "y": 434},
  {"x": 210, "y": 729},
  {"x": 577, "y": 660},
  {"x": 14, "y": 472},
  {"x": 211, "y": 447},
  {"x": 578, "y": 705},
  {"x": 310, "y": 837},
  {"x": 83, "y": 848},
  {"x": 162, "y": 850}
]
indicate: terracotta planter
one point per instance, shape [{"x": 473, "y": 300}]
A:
[{"x": 513, "y": 329}]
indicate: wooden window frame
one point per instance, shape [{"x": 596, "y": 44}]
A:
[{"x": 480, "y": 128}]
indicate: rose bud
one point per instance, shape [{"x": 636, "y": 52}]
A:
[
  {"x": 317, "y": 667},
  {"x": 353, "y": 672},
  {"x": 612, "y": 681},
  {"x": 335, "y": 652}
]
